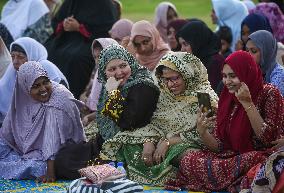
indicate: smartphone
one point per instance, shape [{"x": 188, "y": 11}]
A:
[{"x": 204, "y": 100}]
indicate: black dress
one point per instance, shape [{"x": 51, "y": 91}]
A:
[{"x": 71, "y": 51}]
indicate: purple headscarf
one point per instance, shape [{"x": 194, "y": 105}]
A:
[{"x": 37, "y": 130}]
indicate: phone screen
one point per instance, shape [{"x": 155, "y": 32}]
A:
[{"x": 204, "y": 100}]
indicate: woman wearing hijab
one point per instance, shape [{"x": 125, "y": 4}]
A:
[
  {"x": 180, "y": 75},
  {"x": 148, "y": 44},
  {"x": 250, "y": 116},
  {"x": 121, "y": 30},
  {"x": 127, "y": 102},
  {"x": 263, "y": 47},
  {"x": 172, "y": 29},
  {"x": 42, "y": 118},
  {"x": 165, "y": 13},
  {"x": 5, "y": 58},
  {"x": 23, "y": 50},
  {"x": 230, "y": 13},
  {"x": 18, "y": 16},
  {"x": 76, "y": 25},
  {"x": 196, "y": 38}
]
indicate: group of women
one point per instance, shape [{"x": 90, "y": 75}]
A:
[{"x": 141, "y": 103}]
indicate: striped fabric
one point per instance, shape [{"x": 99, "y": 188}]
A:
[{"x": 117, "y": 186}]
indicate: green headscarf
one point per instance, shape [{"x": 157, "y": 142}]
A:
[{"x": 139, "y": 75}]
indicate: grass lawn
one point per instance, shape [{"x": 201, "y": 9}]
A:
[{"x": 144, "y": 9}]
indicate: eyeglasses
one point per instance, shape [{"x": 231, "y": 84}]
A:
[{"x": 173, "y": 79}]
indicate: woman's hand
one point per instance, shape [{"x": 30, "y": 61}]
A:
[
  {"x": 243, "y": 95},
  {"x": 147, "y": 155},
  {"x": 71, "y": 24},
  {"x": 203, "y": 123},
  {"x": 50, "y": 173},
  {"x": 278, "y": 143},
  {"x": 161, "y": 151},
  {"x": 112, "y": 84}
]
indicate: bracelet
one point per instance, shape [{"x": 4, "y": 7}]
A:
[
  {"x": 248, "y": 108},
  {"x": 113, "y": 92},
  {"x": 147, "y": 141},
  {"x": 166, "y": 140}
]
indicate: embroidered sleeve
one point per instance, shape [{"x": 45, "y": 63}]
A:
[
  {"x": 219, "y": 141},
  {"x": 114, "y": 105}
]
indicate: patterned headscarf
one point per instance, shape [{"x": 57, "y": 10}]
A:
[
  {"x": 174, "y": 114},
  {"x": 139, "y": 74},
  {"x": 275, "y": 17},
  {"x": 267, "y": 44}
]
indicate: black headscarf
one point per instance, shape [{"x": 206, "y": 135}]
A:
[{"x": 204, "y": 43}]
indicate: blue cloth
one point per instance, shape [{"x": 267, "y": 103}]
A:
[
  {"x": 277, "y": 78},
  {"x": 13, "y": 166},
  {"x": 256, "y": 22}
]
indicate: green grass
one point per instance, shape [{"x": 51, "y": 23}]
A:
[{"x": 145, "y": 9}]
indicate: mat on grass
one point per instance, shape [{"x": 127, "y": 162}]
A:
[{"x": 30, "y": 186}]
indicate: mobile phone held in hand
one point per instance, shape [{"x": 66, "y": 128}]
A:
[{"x": 204, "y": 100}]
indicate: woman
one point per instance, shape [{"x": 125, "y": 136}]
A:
[
  {"x": 172, "y": 29},
  {"x": 23, "y": 50},
  {"x": 18, "y": 16},
  {"x": 148, "y": 44},
  {"x": 196, "y": 38},
  {"x": 245, "y": 128},
  {"x": 121, "y": 30},
  {"x": 231, "y": 17},
  {"x": 263, "y": 47},
  {"x": 127, "y": 102},
  {"x": 76, "y": 25},
  {"x": 165, "y": 13},
  {"x": 180, "y": 76},
  {"x": 5, "y": 58},
  {"x": 42, "y": 118}
]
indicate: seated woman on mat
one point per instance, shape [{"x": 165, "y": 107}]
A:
[
  {"x": 42, "y": 118},
  {"x": 149, "y": 151}
]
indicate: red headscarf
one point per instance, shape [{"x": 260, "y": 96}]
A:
[{"x": 236, "y": 134}]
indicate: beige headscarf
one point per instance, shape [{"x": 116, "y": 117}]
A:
[
  {"x": 160, "y": 48},
  {"x": 174, "y": 114},
  {"x": 5, "y": 58}
]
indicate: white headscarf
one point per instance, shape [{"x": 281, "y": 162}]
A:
[
  {"x": 18, "y": 15},
  {"x": 35, "y": 52},
  {"x": 5, "y": 58},
  {"x": 230, "y": 13}
]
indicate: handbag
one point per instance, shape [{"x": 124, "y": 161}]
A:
[{"x": 98, "y": 174}]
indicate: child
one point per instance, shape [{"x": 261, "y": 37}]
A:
[{"x": 225, "y": 34}]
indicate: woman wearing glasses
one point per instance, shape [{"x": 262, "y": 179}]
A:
[{"x": 150, "y": 152}]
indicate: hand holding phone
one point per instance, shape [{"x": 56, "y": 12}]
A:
[{"x": 204, "y": 101}]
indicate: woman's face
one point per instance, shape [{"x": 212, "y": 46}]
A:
[
  {"x": 143, "y": 45},
  {"x": 172, "y": 38},
  {"x": 230, "y": 79},
  {"x": 171, "y": 15},
  {"x": 174, "y": 81},
  {"x": 96, "y": 54},
  {"x": 119, "y": 69},
  {"x": 41, "y": 89},
  {"x": 185, "y": 47},
  {"x": 18, "y": 58},
  {"x": 254, "y": 51},
  {"x": 245, "y": 33}
]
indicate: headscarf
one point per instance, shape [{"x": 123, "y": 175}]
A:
[
  {"x": 249, "y": 4},
  {"x": 204, "y": 43},
  {"x": 93, "y": 98},
  {"x": 35, "y": 52},
  {"x": 267, "y": 44},
  {"x": 275, "y": 17},
  {"x": 175, "y": 114},
  {"x": 139, "y": 75},
  {"x": 255, "y": 22},
  {"x": 177, "y": 24},
  {"x": 161, "y": 21},
  {"x": 5, "y": 58},
  {"x": 6, "y": 35},
  {"x": 230, "y": 13},
  {"x": 160, "y": 48},
  {"x": 235, "y": 131},
  {"x": 29, "y": 12},
  {"x": 24, "y": 128},
  {"x": 121, "y": 28}
]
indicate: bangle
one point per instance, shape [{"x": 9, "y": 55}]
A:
[
  {"x": 147, "y": 141},
  {"x": 248, "y": 108},
  {"x": 113, "y": 92},
  {"x": 166, "y": 140}
]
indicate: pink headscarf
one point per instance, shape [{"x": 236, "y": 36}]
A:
[
  {"x": 97, "y": 86},
  {"x": 121, "y": 28},
  {"x": 160, "y": 48},
  {"x": 161, "y": 21},
  {"x": 275, "y": 17}
]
